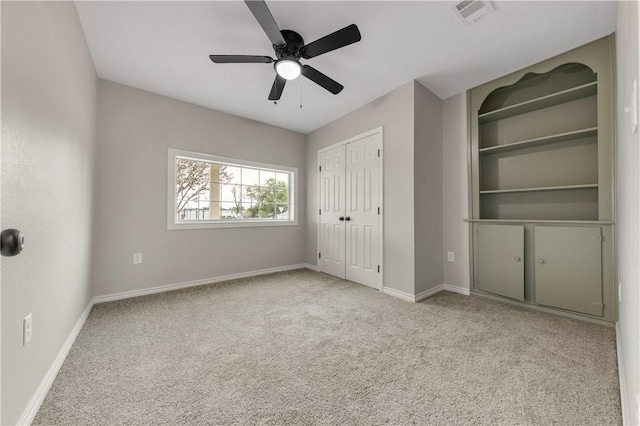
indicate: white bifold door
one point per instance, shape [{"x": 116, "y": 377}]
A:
[{"x": 350, "y": 201}]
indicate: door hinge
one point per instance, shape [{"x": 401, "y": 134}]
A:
[
  {"x": 319, "y": 255},
  {"x": 378, "y": 153},
  {"x": 599, "y": 238},
  {"x": 319, "y": 168},
  {"x": 378, "y": 268},
  {"x": 378, "y": 210},
  {"x": 320, "y": 212}
]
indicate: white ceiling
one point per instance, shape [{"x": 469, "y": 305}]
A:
[{"x": 163, "y": 47}]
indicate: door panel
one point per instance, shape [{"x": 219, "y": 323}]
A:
[
  {"x": 363, "y": 200},
  {"x": 350, "y": 188},
  {"x": 500, "y": 260},
  {"x": 568, "y": 271},
  {"x": 332, "y": 237}
]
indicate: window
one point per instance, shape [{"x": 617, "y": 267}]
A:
[{"x": 206, "y": 191}]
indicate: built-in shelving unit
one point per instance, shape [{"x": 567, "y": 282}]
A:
[{"x": 541, "y": 178}]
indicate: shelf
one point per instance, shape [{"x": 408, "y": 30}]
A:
[
  {"x": 561, "y": 137},
  {"x": 546, "y": 188},
  {"x": 568, "y": 95},
  {"x": 564, "y": 222}
]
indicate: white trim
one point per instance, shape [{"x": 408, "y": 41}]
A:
[
  {"x": 41, "y": 392},
  {"x": 376, "y": 131},
  {"x": 427, "y": 293},
  {"x": 626, "y": 412},
  {"x": 353, "y": 139},
  {"x": 207, "y": 224},
  {"x": 399, "y": 294},
  {"x": 310, "y": 266},
  {"x": 169, "y": 287}
]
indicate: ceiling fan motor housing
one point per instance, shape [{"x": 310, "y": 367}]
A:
[{"x": 294, "y": 43}]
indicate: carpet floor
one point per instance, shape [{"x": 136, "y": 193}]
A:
[{"x": 303, "y": 347}]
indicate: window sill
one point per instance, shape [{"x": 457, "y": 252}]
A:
[{"x": 172, "y": 226}]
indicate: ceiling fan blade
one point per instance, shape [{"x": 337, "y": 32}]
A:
[
  {"x": 277, "y": 88},
  {"x": 263, "y": 15},
  {"x": 344, "y": 37},
  {"x": 321, "y": 79},
  {"x": 240, "y": 59}
]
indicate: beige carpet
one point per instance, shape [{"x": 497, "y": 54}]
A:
[{"x": 305, "y": 348}]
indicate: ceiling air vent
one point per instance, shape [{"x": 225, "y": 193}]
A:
[{"x": 469, "y": 11}]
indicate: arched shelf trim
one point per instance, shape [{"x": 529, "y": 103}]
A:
[{"x": 532, "y": 84}]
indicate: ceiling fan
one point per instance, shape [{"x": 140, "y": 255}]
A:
[{"x": 289, "y": 47}]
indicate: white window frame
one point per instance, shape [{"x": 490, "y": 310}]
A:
[{"x": 174, "y": 224}]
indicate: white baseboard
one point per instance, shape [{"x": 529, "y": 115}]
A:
[
  {"x": 312, "y": 267},
  {"x": 626, "y": 413},
  {"x": 427, "y": 293},
  {"x": 41, "y": 392},
  {"x": 178, "y": 286},
  {"x": 399, "y": 294},
  {"x": 456, "y": 289}
]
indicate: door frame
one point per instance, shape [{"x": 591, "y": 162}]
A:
[{"x": 378, "y": 131}]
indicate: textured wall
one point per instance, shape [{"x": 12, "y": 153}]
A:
[
  {"x": 428, "y": 168},
  {"x": 628, "y": 220},
  {"x": 135, "y": 129},
  {"x": 455, "y": 190},
  {"x": 48, "y": 146},
  {"x": 394, "y": 112}
]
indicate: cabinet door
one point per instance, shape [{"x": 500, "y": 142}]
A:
[
  {"x": 568, "y": 271},
  {"x": 500, "y": 260}
]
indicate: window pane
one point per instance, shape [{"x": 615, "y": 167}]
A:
[
  {"x": 282, "y": 177},
  {"x": 231, "y": 174},
  {"x": 250, "y": 176},
  {"x": 266, "y": 175},
  {"x": 231, "y": 193},
  {"x": 192, "y": 189},
  {"x": 282, "y": 212},
  {"x": 267, "y": 211}
]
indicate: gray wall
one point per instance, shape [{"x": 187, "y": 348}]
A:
[
  {"x": 427, "y": 188},
  {"x": 455, "y": 189},
  {"x": 135, "y": 129},
  {"x": 393, "y": 111},
  {"x": 628, "y": 201},
  {"x": 48, "y": 146}
]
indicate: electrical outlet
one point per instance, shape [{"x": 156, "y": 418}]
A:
[
  {"x": 27, "y": 329},
  {"x": 451, "y": 256},
  {"x": 137, "y": 258}
]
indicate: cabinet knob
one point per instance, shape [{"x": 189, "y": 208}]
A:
[
  {"x": 517, "y": 258},
  {"x": 540, "y": 260}
]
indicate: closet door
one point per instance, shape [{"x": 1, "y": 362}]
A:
[
  {"x": 350, "y": 228},
  {"x": 332, "y": 200},
  {"x": 362, "y": 218}
]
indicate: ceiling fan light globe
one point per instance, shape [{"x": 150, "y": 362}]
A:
[{"x": 288, "y": 69}]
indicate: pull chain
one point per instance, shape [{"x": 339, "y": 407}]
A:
[{"x": 300, "y": 91}]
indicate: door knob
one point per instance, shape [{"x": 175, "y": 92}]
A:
[
  {"x": 517, "y": 258},
  {"x": 11, "y": 242},
  {"x": 348, "y": 218},
  {"x": 540, "y": 260},
  {"x": 341, "y": 218}
]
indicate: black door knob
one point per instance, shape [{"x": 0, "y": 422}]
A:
[
  {"x": 11, "y": 242},
  {"x": 341, "y": 218},
  {"x": 348, "y": 218}
]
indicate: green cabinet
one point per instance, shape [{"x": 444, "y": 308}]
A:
[
  {"x": 500, "y": 264},
  {"x": 541, "y": 148},
  {"x": 568, "y": 268}
]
